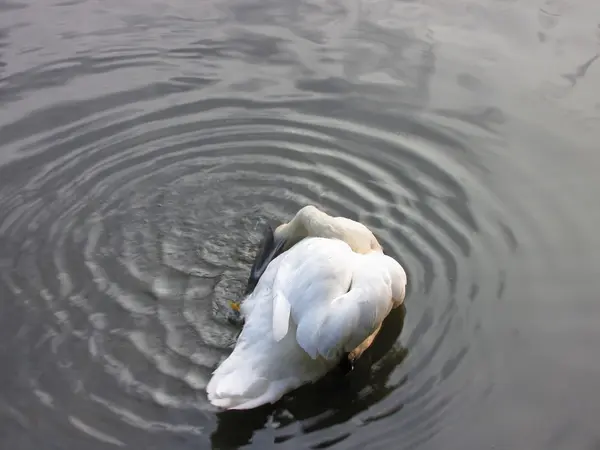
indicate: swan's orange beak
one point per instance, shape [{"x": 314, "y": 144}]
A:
[{"x": 235, "y": 306}]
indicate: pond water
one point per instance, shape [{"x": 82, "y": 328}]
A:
[{"x": 144, "y": 145}]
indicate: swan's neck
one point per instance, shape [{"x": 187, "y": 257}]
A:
[
  {"x": 312, "y": 222},
  {"x": 309, "y": 221}
]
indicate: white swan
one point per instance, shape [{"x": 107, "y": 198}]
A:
[{"x": 314, "y": 304}]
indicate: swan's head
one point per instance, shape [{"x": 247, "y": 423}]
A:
[{"x": 312, "y": 222}]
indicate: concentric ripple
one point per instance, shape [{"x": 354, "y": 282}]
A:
[{"x": 135, "y": 233}]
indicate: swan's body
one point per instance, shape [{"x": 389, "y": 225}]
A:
[
  {"x": 310, "y": 221},
  {"x": 312, "y": 305}
]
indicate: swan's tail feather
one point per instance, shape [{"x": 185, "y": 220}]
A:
[
  {"x": 244, "y": 388},
  {"x": 272, "y": 393}
]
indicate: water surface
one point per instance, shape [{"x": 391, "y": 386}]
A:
[{"x": 144, "y": 145}]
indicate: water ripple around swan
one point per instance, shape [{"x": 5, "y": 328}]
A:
[{"x": 132, "y": 240}]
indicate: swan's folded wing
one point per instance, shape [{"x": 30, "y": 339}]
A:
[
  {"x": 332, "y": 317},
  {"x": 310, "y": 275},
  {"x": 335, "y": 313},
  {"x": 348, "y": 321}
]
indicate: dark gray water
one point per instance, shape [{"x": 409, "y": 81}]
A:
[{"x": 144, "y": 145}]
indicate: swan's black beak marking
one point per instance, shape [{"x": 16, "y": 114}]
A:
[{"x": 270, "y": 248}]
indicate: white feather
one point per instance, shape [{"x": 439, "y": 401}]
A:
[{"x": 281, "y": 315}]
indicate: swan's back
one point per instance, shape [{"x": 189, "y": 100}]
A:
[{"x": 292, "y": 331}]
